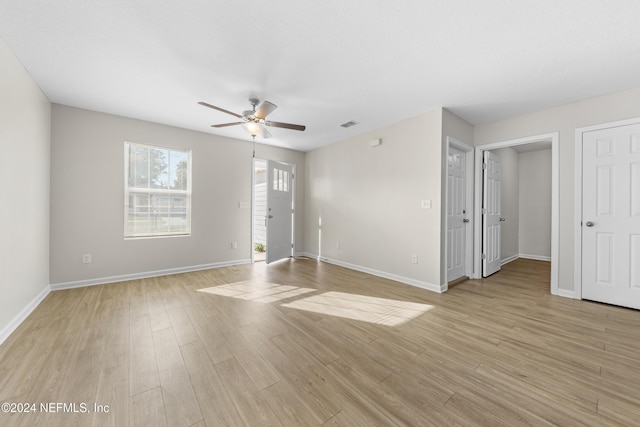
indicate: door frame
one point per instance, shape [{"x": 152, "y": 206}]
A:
[
  {"x": 554, "y": 138},
  {"x": 468, "y": 256},
  {"x": 577, "y": 233}
]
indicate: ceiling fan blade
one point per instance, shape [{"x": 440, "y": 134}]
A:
[
  {"x": 220, "y": 109},
  {"x": 265, "y": 132},
  {"x": 285, "y": 125},
  {"x": 265, "y": 109},
  {"x": 226, "y": 124}
]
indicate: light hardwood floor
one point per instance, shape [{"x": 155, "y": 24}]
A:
[{"x": 301, "y": 343}]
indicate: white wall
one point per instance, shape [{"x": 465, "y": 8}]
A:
[
  {"x": 25, "y": 117},
  {"x": 510, "y": 241},
  {"x": 369, "y": 200},
  {"x": 87, "y": 198},
  {"x": 535, "y": 204},
  {"x": 564, "y": 119}
]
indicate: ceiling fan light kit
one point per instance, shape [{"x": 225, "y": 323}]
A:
[
  {"x": 253, "y": 120},
  {"x": 253, "y": 128}
]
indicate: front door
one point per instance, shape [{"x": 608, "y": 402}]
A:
[
  {"x": 611, "y": 215},
  {"x": 279, "y": 211},
  {"x": 491, "y": 213},
  {"x": 456, "y": 214}
]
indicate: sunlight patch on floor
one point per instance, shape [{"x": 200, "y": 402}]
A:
[
  {"x": 257, "y": 291},
  {"x": 380, "y": 311}
]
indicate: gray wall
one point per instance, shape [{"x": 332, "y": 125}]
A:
[
  {"x": 369, "y": 200},
  {"x": 24, "y": 212},
  {"x": 564, "y": 119},
  {"x": 87, "y": 179},
  {"x": 535, "y": 204}
]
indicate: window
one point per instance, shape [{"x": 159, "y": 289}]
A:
[
  {"x": 280, "y": 180},
  {"x": 157, "y": 191}
]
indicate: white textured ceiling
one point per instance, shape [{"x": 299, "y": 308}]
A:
[{"x": 323, "y": 62}]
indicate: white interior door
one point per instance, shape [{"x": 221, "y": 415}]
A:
[
  {"x": 491, "y": 213},
  {"x": 456, "y": 214},
  {"x": 279, "y": 211},
  {"x": 611, "y": 216}
]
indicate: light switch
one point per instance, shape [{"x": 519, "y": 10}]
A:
[{"x": 426, "y": 204}]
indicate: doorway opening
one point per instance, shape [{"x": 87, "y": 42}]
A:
[
  {"x": 526, "y": 144},
  {"x": 259, "y": 241},
  {"x": 273, "y": 210}
]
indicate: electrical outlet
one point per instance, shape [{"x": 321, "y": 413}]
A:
[
  {"x": 234, "y": 245},
  {"x": 426, "y": 204},
  {"x": 414, "y": 259},
  {"x": 86, "y": 258}
]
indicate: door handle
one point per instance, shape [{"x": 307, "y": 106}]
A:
[
  {"x": 589, "y": 224},
  {"x": 502, "y": 219},
  {"x": 465, "y": 220},
  {"x": 265, "y": 219}
]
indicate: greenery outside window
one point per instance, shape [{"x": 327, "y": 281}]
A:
[{"x": 157, "y": 191}]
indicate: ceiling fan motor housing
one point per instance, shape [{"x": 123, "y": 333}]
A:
[{"x": 253, "y": 117}]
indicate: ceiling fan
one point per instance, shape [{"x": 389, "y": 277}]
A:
[{"x": 254, "y": 120}]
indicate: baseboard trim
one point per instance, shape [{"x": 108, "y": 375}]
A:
[
  {"x": 536, "y": 257},
  {"x": 144, "y": 275},
  {"x": 406, "y": 280},
  {"x": 525, "y": 256},
  {"x": 24, "y": 313},
  {"x": 310, "y": 255},
  {"x": 509, "y": 259}
]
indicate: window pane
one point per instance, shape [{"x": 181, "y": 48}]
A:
[
  {"x": 178, "y": 214},
  {"x": 275, "y": 178},
  {"x": 159, "y": 213},
  {"x": 138, "y": 219},
  {"x": 158, "y": 168},
  {"x": 178, "y": 164},
  {"x": 138, "y": 166}
]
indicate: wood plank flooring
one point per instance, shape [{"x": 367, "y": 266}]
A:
[{"x": 301, "y": 343}]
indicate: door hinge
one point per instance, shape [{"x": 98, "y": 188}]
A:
[
  {"x": 292, "y": 210},
  {"x": 484, "y": 166},
  {"x": 484, "y": 211},
  {"x": 292, "y": 246},
  {"x": 484, "y": 256}
]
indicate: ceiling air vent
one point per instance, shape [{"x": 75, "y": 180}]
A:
[{"x": 349, "y": 124}]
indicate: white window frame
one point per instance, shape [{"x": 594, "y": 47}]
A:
[{"x": 157, "y": 191}]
